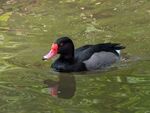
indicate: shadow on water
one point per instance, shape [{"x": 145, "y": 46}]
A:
[{"x": 64, "y": 87}]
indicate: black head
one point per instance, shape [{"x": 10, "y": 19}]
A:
[{"x": 65, "y": 46}]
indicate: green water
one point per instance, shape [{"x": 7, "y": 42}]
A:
[{"x": 27, "y": 30}]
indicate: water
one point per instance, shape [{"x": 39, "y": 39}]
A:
[{"x": 27, "y": 30}]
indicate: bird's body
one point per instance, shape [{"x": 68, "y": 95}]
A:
[{"x": 87, "y": 57}]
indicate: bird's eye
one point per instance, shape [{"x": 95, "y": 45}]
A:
[{"x": 61, "y": 44}]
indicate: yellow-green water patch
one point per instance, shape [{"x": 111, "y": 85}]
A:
[{"x": 4, "y": 17}]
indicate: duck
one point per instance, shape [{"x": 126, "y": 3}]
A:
[{"x": 85, "y": 58}]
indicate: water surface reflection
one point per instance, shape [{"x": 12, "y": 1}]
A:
[{"x": 64, "y": 87}]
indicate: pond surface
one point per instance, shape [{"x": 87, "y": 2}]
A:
[{"x": 27, "y": 30}]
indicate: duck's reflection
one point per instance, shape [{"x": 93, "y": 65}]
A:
[{"x": 65, "y": 87}]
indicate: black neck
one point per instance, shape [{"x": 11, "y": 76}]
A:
[
  {"x": 68, "y": 53},
  {"x": 67, "y": 57}
]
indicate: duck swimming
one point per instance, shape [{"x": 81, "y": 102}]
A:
[{"x": 85, "y": 58}]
